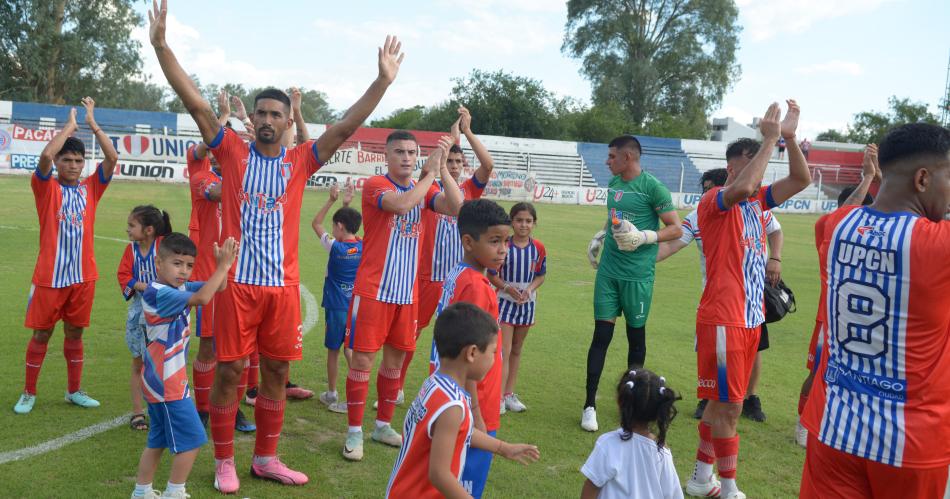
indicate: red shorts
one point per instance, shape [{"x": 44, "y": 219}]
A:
[
  {"x": 830, "y": 473},
  {"x": 430, "y": 292},
  {"x": 262, "y": 318},
  {"x": 724, "y": 359},
  {"x": 814, "y": 349},
  {"x": 204, "y": 315},
  {"x": 372, "y": 324},
  {"x": 47, "y": 306}
]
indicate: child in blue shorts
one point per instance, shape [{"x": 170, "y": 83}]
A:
[
  {"x": 145, "y": 227},
  {"x": 166, "y": 304},
  {"x": 345, "y": 252}
]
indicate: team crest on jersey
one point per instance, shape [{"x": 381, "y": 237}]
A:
[
  {"x": 286, "y": 169},
  {"x": 618, "y": 195},
  {"x": 870, "y": 231}
]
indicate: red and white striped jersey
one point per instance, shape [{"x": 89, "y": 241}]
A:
[
  {"x": 67, "y": 227},
  {"x": 388, "y": 270},
  {"x": 410, "y": 476},
  {"x": 887, "y": 372},
  {"x": 441, "y": 243},
  {"x": 735, "y": 247},
  {"x": 260, "y": 207}
]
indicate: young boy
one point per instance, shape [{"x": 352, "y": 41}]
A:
[
  {"x": 484, "y": 227},
  {"x": 166, "y": 303},
  {"x": 64, "y": 281},
  {"x": 440, "y": 424},
  {"x": 345, "y": 252}
]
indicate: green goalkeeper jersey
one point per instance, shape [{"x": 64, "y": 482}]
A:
[{"x": 641, "y": 201}]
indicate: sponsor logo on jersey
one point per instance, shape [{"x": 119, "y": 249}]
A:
[
  {"x": 352, "y": 251},
  {"x": 263, "y": 201},
  {"x": 870, "y": 231},
  {"x": 706, "y": 383}
]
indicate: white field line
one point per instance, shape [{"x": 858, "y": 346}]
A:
[
  {"x": 311, "y": 316},
  {"x": 63, "y": 441}
]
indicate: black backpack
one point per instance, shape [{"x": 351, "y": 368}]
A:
[{"x": 779, "y": 300}]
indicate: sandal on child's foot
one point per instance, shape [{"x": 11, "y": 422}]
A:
[{"x": 137, "y": 422}]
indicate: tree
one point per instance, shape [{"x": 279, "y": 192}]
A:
[
  {"x": 871, "y": 126},
  {"x": 313, "y": 106},
  {"x": 832, "y": 135},
  {"x": 666, "y": 63},
  {"x": 505, "y": 104},
  {"x": 59, "y": 51}
]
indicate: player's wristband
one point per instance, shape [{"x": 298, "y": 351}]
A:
[
  {"x": 776, "y": 259},
  {"x": 96, "y": 131}
]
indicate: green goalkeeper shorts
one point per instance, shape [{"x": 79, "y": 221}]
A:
[{"x": 615, "y": 296}]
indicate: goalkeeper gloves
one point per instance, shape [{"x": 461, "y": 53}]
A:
[
  {"x": 593, "y": 249},
  {"x": 629, "y": 238}
]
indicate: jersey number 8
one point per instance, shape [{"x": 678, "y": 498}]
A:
[{"x": 863, "y": 311}]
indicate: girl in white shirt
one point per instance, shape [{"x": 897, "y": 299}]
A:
[{"x": 632, "y": 461}]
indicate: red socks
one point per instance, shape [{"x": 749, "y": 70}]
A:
[
  {"x": 222, "y": 429},
  {"x": 405, "y": 369},
  {"x": 72, "y": 351},
  {"x": 357, "y": 387},
  {"x": 706, "y": 452},
  {"x": 802, "y": 400},
  {"x": 387, "y": 389},
  {"x": 203, "y": 376},
  {"x": 251, "y": 369},
  {"x": 727, "y": 456},
  {"x": 269, "y": 417},
  {"x": 35, "y": 353}
]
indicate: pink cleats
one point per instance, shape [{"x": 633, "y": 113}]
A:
[
  {"x": 225, "y": 477},
  {"x": 278, "y": 472}
]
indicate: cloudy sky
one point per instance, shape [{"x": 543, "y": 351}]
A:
[{"x": 836, "y": 57}]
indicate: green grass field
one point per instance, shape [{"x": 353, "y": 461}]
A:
[{"x": 551, "y": 382}]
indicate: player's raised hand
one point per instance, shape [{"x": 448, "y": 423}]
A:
[
  {"x": 90, "y": 105},
  {"x": 790, "y": 123},
  {"x": 295, "y": 98},
  {"x": 869, "y": 165},
  {"x": 156, "y": 23},
  {"x": 348, "y": 191},
  {"x": 769, "y": 125},
  {"x": 224, "y": 103},
  {"x": 71, "y": 121},
  {"x": 226, "y": 253},
  {"x": 238, "y": 105},
  {"x": 454, "y": 130},
  {"x": 522, "y": 453},
  {"x": 334, "y": 191},
  {"x": 465, "y": 119},
  {"x": 432, "y": 166},
  {"x": 390, "y": 57}
]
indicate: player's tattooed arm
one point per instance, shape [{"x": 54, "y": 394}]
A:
[
  {"x": 869, "y": 172},
  {"x": 181, "y": 83},
  {"x": 485, "y": 161},
  {"x": 45, "y": 165},
  {"x": 798, "y": 175},
  {"x": 389, "y": 58},
  {"x": 444, "y": 431},
  {"x": 296, "y": 99},
  {"x": 110, "y": 156},
  {"x": 749, "y": 179},
  {"x": 317, "y": 223},
  {"x": 451, "y": 199}
]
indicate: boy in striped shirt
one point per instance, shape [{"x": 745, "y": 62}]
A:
[
  {"x": 64, "y": 281},
  {"x": 439, "y": 425},
  {"x": 166, "y": 304}
]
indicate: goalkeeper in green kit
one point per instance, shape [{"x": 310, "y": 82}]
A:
[{"x": 636, "y": 202}]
